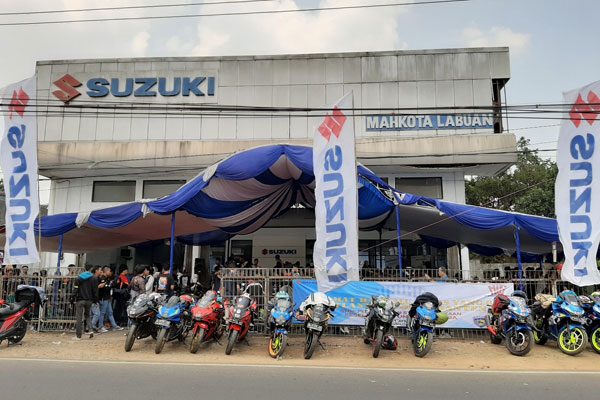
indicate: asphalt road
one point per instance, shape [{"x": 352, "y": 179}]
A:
[{"x": 32, "y": 379}]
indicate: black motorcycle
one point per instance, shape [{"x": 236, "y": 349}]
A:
[
  {"x": 142, "y": 313},
  {"x": 316, "y": 322},
  {"x": 378, "y": 321}
]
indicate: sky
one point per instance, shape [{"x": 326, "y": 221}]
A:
[{"x": 553, "y": 43}]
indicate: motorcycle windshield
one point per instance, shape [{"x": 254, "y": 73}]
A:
[
  {"x": 519, "y": 302},
  {"x": 141, "y": 301},
  {"x": 571, "y": 299},
  {"x": 173, "y": 301},
  {"x": 283, "y": 305},
  {"x": 242, "y": 303},
  {"x": 207, "y": 300},
  {"x": 386, "y": 305}
]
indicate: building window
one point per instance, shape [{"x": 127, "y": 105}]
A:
[
  {"x": 113, "y": 191},
  {"x": 156, "y": 189},
  {"x": 428, "y": 187}
]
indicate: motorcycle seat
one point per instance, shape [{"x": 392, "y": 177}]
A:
[{"x": 13, "y": 308}]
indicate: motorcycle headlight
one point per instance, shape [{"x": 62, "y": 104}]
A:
[{"x": 281, "y": 320}]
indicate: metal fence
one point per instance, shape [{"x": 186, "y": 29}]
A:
[
  {"x": 58, "y": 314},
  {"x": 234, "y": 280}
]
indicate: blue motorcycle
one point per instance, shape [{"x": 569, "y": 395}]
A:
[
  {"x": 560, "y": 319},
  {"x": 173, "y": 321},
  {"x": 280, "y": 322},
  {"x": 509, "y": 318},
  {"x": 591, "y": 306},
  {"x": 422, "y": 326}
]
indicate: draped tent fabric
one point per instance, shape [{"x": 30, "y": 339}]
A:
[{"x": 243, "y": 192}]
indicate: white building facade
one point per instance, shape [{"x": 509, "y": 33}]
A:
[{"x": 121, "y": 130}]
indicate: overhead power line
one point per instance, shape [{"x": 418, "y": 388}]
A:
[
  {"x": 140, "y": 7},
  {"x": 231, "y": 14}
]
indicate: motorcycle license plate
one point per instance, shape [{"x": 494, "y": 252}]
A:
[
  {"x": 162, "y": 322},
  {"x": 314, "y": 326}
]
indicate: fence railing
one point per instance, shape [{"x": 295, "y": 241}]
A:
[{"x": 58, "y": 313}]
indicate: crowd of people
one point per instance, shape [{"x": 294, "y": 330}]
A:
[{"x": 99, "y": 296}]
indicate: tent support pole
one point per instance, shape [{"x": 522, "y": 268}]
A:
[
  {"x": 519, "y": 263},
  {"x": 60, "y": 253},
  {"x": 54, "y": 285},
  {"x": 398, "y": 233},
  {"x": 381, "y": 266},
  {"x": 172, "y": 247}
]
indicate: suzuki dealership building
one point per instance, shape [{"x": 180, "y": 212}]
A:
[{"x": 121, "y": 130}]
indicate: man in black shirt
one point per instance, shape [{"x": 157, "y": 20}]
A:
[
  {"x": 85, "y": 292},
  {"x": 105, "y": 295}
]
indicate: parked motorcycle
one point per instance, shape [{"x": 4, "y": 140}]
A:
[
  {"x": 173, "y": 321},
  {"x": 381, "y": 314},
  {"x": 15, "y": 316},
  {"x": 240, "y": 317},
  {"x": 423, "y": 318},
  {"x": 591, "y": 306},
  {"x": 207, "y": 315},
  {"x": 509, "y": 318},
  {"x": 142, "y": 313},
  {"x": 318, "y": 310},
  {"x": 280, "y": 322},
  {"x": 560, "y": 319}
]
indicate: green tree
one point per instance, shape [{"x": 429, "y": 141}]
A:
[{"x": 527, "y": 187}]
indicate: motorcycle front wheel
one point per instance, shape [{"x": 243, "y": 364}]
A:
[
  {"x": 422, "y": 343},
  {"x": 377, "y": 343},
  {"x": 277, "y": 345},
  {"x": 161, "y": 339},
  {"x": 19, "y": 333},
  {"x": 233, "y": 336},
  {"x": 519, "y": 342},
  {"x": 196, "y": 341},
  {"x": 131, "y": 336},
  {"x": 309, "y": 345},
  {"x": 595, "y": 340},
  {"x": 572, "y": 341}
]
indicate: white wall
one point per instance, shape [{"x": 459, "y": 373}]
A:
[{"x": 436, "y": 78}]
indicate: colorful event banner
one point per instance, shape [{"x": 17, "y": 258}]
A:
[
  {"x": 577, "y": 191},
  {"x": 336, "y": 211},
  {"x": 18, "y": 159},
  {"x": 465, "y": 303}
]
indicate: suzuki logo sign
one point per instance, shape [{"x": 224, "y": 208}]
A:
[
  {"x": 197, "y": 87},
  {"x": 67, "y": 85},
  {"x": 274, "y": 252}
]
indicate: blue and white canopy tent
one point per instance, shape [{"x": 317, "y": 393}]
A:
[{"x": 243, "y": 192}]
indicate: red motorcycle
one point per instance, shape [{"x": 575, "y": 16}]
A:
[
  {"x": 14, "y": 316},
  {"x": 207, "y": 315},
  {"x": 240, "y": 318}
]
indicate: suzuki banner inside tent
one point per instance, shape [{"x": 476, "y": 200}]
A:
[
  {"x": 336, "y": 215},
  {"x": 18, "y": 159},
  {"x": 577, "y": 189}
]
